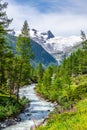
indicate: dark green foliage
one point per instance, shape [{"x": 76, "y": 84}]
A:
[
  {"x": 38, "y": 72},
  {"x": 23, "y": 56},
  {"x": 25, "y": 29},
  {"x": 4, "y": 20},
  {"x": 14, "y": 65},
  {"x": 4, "y": 47},
  {"x": 10, "y": 107}
]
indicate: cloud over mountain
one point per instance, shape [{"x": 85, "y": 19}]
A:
[{"x": 63, "y": 18}]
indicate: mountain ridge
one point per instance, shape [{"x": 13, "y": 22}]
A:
[
  {"x": 40, "y": 54},
  {"x": 58, "y": 46}
]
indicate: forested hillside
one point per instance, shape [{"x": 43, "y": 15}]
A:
[
  {"x": 67, "y": 86},
  {"x": 18, "y": 57}
]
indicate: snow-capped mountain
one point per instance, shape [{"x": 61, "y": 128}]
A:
[
  {"x": 56, "y": 46},
  {"x": 63, "y": 43},
  {"x": 39, "y": 37}
]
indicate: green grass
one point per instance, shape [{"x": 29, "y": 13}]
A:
[{"x": 75, "y": 119}]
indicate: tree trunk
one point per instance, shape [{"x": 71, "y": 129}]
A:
[
  {"x": 19, "y": 82},
  {"x": 18, "y": 93}
]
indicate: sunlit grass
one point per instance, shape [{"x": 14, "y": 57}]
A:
[{"x": 71, "y": 120}]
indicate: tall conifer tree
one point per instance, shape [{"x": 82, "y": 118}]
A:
[
  {"x": 4, "y": 24},
  {"x": 24, "y": 55}
]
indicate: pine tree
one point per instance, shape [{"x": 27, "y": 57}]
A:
[
  {"x": 24, "y": 55},
  {"x": 84, "y": 47},
  {"x": 4, "y": 24},
  {"x": 83, "y": 36},
  {"x": 39, "y": 70},
  {"x": 84, "y": 40},
  {"x": 25, "y": 29},
  {"x": 47, "y": 77}
]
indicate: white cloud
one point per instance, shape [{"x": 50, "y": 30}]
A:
[{"x": 59, "y": 23}]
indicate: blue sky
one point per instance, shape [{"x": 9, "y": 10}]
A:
[
  {"x": 63, "y": 17},
  {"x": 46, "y": 5}
]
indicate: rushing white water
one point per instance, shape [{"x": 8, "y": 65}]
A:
[{"x": 34, "y": 114}]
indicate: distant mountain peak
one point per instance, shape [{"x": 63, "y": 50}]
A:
[
  {"x": 54, "y": 44},
  {"x": 34, "y": 30},
  {"x": 50, "y": 34}
]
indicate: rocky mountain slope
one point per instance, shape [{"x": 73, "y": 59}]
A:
[
  {"x": 40, "y": 54},
  {"x": 56, "y": 46}
]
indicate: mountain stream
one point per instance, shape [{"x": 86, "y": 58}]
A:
[{"x": 35, "y": 113}]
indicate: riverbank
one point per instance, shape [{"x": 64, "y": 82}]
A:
[
  {"x": 73, "y": 101},
  {"x": 74, "y": 119},
  {"x": 9, "y": 109},
  {"x": 34, "y": 114}
]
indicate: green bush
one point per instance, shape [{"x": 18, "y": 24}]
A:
[
  {"x": 80, "y": 92},
  {"x": 10, "y": 107}
]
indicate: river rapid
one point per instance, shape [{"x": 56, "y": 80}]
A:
[{"x": 35, "y": 113}]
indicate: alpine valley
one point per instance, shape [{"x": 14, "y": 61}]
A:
[{"x": 43, "y": 77}]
